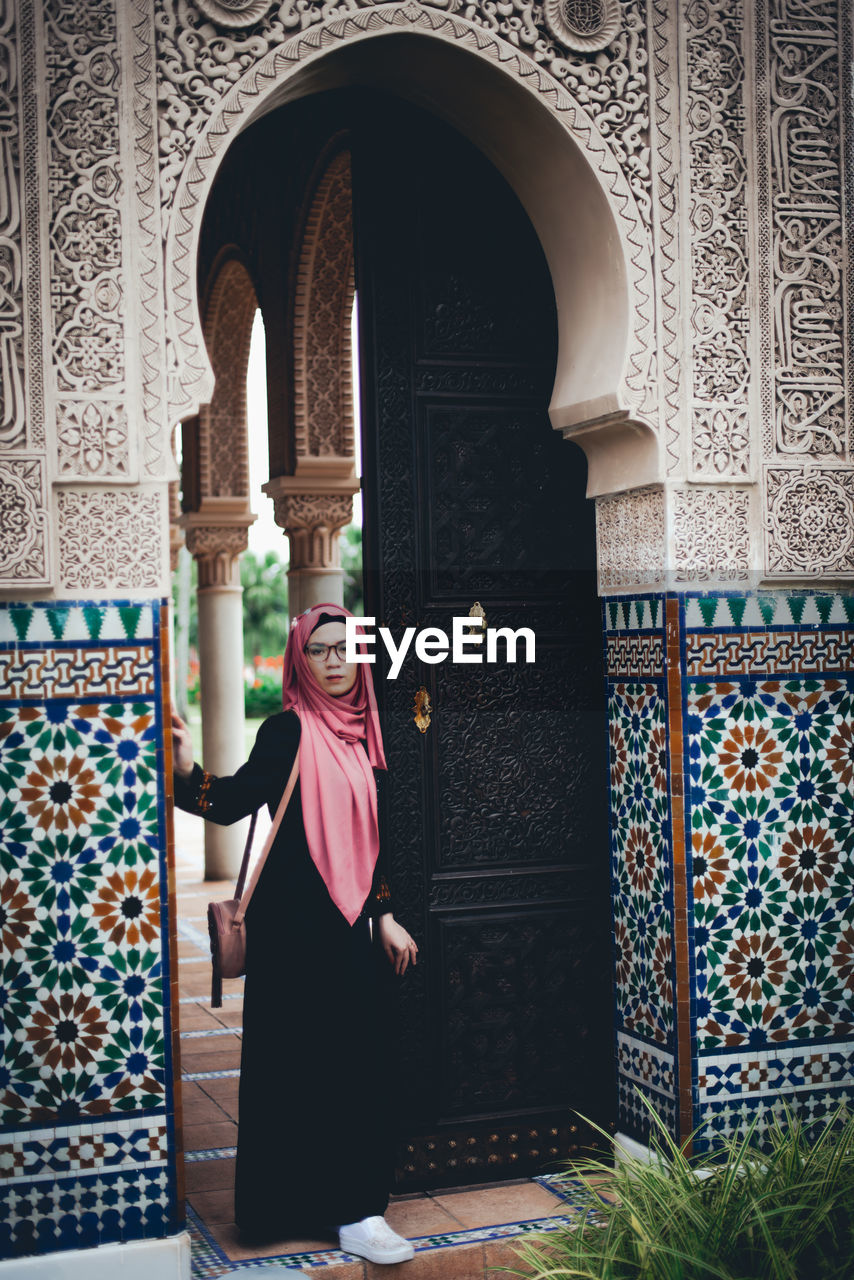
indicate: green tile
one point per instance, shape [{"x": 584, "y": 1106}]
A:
[
  {"x": 21, "y": 619},
  {"x": 94, "y": 618},
  {"x": 824, "y": 604},
  {"x": 708, "y": 608},
  {"x": 796, "y": 606},
  {"x": 130, "y": 619},
  {"x": 737, "y": 606},
  {"x": 57, "y": 618},
  {"x": 767, "y": 607}
]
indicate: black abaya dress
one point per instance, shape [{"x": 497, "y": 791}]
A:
[{"x": 314, "y": 1146}]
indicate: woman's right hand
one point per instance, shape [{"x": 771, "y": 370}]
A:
[{"x": 182, "y": 747}]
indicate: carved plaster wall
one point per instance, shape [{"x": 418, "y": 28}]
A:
[
  {"x": 217, "y": 523},
  {"x": 112, "y": 121},
  {"x": 82, "y": 338},
  {"x": 323, "y": 365},
  {"x": 603, "y": 372}
]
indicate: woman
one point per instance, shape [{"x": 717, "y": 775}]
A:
[{"x": 314, "y": 1142}]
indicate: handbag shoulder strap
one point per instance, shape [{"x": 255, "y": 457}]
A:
[
  {"x": 268, "y": 844},
  {"x": 244, "y": 866}
]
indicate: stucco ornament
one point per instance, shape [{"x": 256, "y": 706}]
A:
[
  {"x": 583, "y": 25},
  {"x": 234, "y": 13}
]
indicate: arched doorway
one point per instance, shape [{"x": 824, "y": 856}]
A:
[{"x": 496, "y": 816}]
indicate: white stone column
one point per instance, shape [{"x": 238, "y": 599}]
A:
[
  {"x": 220, "y": 598},
  {"x": 313, "y": 507}
]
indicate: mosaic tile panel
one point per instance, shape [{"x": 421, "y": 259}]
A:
[
  {"x": 642, "y": 895},
  {"x": 769, "y": 757},
  {"x": 780, "y": 1070},
  {"x": 772, "y": 835},
  {"x": 727, "y": 1119},
  {"x": 85, "y": 1087},
  {"x": 641, "y": 877}
]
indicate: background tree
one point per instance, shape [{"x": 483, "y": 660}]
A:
[
  {"x": 265, "y": 604},
  {"x": 351, "y": 562}
]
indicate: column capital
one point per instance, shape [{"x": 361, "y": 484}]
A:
[
  {"x": 312, "y": 522},
  {"x": 216, "y": 550}
]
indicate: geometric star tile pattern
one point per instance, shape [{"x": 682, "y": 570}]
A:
[
  {"x": 85, "y": 1090},
  {"x": 642, "y": 892},
  {"x": 82, "y": 980},
  {"x": 641, "y": 861},
  {"x": 772, "y": 841},
  {"x": 763, "y": 728}
]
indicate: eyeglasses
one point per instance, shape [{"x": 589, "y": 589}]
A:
[{"x": 320, "y": 652}]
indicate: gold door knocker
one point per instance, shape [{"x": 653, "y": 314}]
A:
[
  {"x": 477, "y": 611},
  {"x": 422, "y": 708}
]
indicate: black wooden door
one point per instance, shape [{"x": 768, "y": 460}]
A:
[{"x": 495, "y": 817}]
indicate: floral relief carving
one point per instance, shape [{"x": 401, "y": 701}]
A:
[
  {"x": 810, "y": 521},
  {"x": 199, "y": 63},
  {"x": 312, "y": 522},
  {"x": 224, "y": 464},
  {"x": 804, "y": 211},
  {"x": 630, "y": 539},
  {"x": 23, "y": 522},
  {"x": 85, "y": 188},
  {"x": 323, "y": 389},
  {"x": 583, "y": 25},
  {"x": 203, "y": 101},
  {"x": 711, "y": 531},
  {"x": 664, "y": 101},
  {"x": 92, "y": 437},
  {"x": 234, "y": 13},
  {"x": 217, "y": 552},
  {"x": 110, "y": 539},
  {"x": 12, "y": 403},
  {"x": 718, "y": 237},
  {"x": 147, "y": 239}
]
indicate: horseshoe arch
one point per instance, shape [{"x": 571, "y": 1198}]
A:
[{"x": 546, "y": 146}]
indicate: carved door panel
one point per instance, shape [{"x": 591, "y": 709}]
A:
[{"x": 495, "y": 816}]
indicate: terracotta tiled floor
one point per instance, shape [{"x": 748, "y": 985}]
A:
[{"x": 458, "y": 1234}]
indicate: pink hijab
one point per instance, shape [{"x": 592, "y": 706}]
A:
[{"x": 337, "y": 786}]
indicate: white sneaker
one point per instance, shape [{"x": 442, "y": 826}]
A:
[{"x": 373, "y": 1238}]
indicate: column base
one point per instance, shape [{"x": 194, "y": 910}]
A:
[{"x": 168, "y": 1259}]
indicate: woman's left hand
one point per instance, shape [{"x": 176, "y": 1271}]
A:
[{"x": 396, "y": 943}]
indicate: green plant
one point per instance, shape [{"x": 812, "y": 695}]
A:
[
  {"x": 263, "y": 696},
  {"x": 265, "y": 603},
  {"x": 350, "y": 545},
  {"x": 785, "y": 1212}
]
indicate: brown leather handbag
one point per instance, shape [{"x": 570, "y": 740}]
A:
[{"x": 226, "y": 922}]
